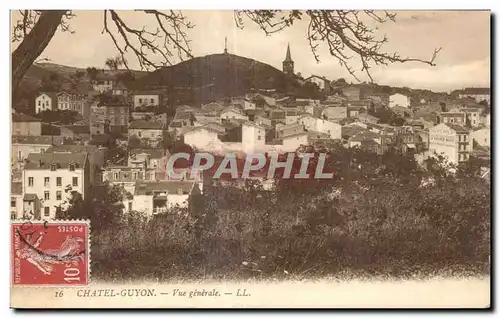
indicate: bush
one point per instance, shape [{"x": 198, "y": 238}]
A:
[{"x": 370, "y": 219}]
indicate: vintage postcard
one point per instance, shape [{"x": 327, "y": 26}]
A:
[{"x": 250, "y": 159}]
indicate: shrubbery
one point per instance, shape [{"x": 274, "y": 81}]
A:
[{"x": 377, "y": 216}]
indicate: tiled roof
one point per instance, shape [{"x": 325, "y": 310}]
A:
[
  {"x": 302, "y": 133},
  {"x": 148, "y": 188},
  {"x": 44, "y": 160}
]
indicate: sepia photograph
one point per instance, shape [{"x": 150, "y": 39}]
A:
[{"x": 250, "y": 159}]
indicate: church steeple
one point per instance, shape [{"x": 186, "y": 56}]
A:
[{"x": 288, "y": 62}]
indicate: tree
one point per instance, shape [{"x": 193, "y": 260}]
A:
[
  {"x": 344, "y": 32},
  {"x": 114, "y": 63}
]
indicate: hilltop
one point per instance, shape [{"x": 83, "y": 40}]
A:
[{"x": 213, "y": 76}]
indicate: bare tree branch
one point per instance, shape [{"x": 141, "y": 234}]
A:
[{"x": 344, "y": 32}]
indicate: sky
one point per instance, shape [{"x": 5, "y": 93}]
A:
[{"x": 464, "y": 37}]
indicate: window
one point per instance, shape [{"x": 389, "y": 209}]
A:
[
  {"x": 58, "y": 181},
  {"x": 46, "y": 211},
  {"x": 139, "y": 134},
  {"x": 58, "y": 195},
  {"x": 71, "y": 167},
  {"x": 115, "y": 175},
  {"x": 75, "y": 181},
  {"x": 39, "y": 103},
  {"x": 152, "y": 101},
  {"x": 13, "y": 215},
  {"x": 46, "y": 181},
  {"x": 13, "y": 202},
  {"x": 140, "y": 100},
  {"x": 58, "y": 210},
  {"x": 30, "y": 181},
  {"x": 258, "y": 138},
  {"x": 53, "y": 167},
  {"x": 46, "y": 195}
]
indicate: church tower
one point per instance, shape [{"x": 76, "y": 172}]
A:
[{"x": 288, "y": 62}]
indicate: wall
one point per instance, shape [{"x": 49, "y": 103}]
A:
[
  {"x": 442, "y": 140},
  {"x": 21, "y": 152},
  {"x": 32, "y": 128},
  {"x": 39, "y": 187},
  {"x": 43, "y": 102},
  {"x": 482, "y": 137}
]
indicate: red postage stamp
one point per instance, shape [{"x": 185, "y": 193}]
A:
[{"x": 53, "y": 253}]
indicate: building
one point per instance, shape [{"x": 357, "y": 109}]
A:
[
  {"x": 26, "y": 125},
  {"x": 253, "y": 136},
  {"x": 146, "y": 99},
  {"x": 334, "y": 130},
  {"x": 150, "y": 133},
  {"x": 125, "y": 176},
  {"x": 80, "y": 133},
  {"x": 367, "y": 118},
  {"x": 292, "y": 142},
  {"x": 321, "y": 82},
  {"x": 291, "y": 116},
  {"x": 451, "y": 141},
  {"x": 71, "y": 100},
  {"x": 335, "y": 113},
  {"x": 291, "y": 129},
  {"x": 477, "y": 93},
  {"x": 119, "y": 89},
  {"x": 453, "y": 117},
  {"x": 161, "y": 197},
  {"x": 288, "y": 63},
  {"x": 103, "y": 83},
  {"x": 473, "y": 116},
  {"x": 109, "y": 118},
  {"x": 96, "y": 156},
  {"x": 22, "y": 146},
  {"x": 23, "y": 205},
  {"x": 399, "y": 100},
  {"x": 482, "y": 137},
  {"x": 45, "y": 101},
  {"x": 233, "y": 113},
  {"x": 200, "y": 137},
  {"x": 50, "y": 175}
]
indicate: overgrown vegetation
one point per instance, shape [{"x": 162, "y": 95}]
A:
[{"x": 377, "y": 216}]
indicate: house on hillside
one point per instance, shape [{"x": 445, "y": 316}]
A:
[
  {"x": 320, "y": 81},
  {"x": 335, "y": 113},
  {"x": 45, "y": 101},
  {"x": 103, "y": 83},
  {"x": 453, "y": 117}
]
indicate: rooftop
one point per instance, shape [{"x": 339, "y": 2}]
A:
[
  {"x": 154, "y": 153},
  {"x": 16, "y": 187},
  {"x": 457, "y": 128},
  {"x": 148, "y": 188},
  {"x": 62, "y": 160}
]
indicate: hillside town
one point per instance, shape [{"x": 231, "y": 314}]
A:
[{"x": 102, "y": 130}]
